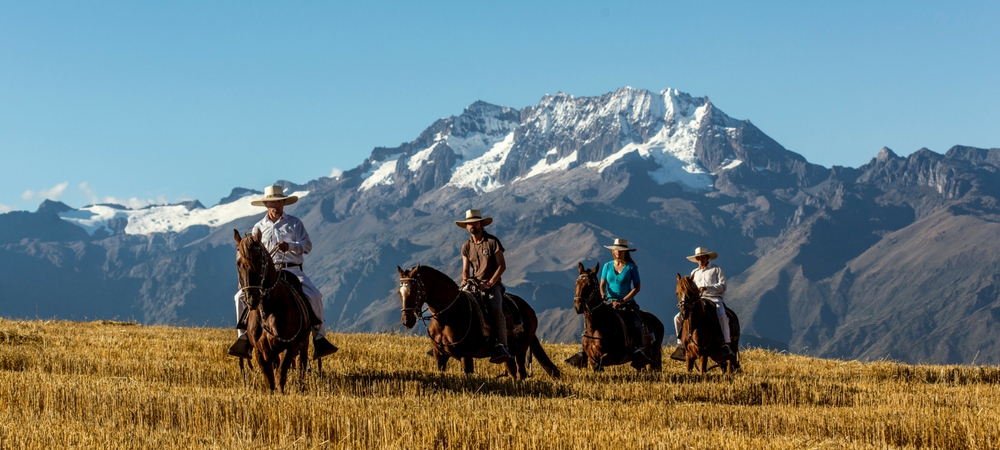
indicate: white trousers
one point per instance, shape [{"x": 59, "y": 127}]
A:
[
  {"x": 312, "y": 294},
  {"x": 720, "y": 311}
]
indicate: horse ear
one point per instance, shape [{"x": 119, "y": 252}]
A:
[
  {"x": 236, "y": 235},
  {"x": 580, "y": 267},
  {"x": 400, "y": 269},
  {"x": 257, "y": 234},
  {"x": 678, "y": 277},
  {"x": 596, "y": 266}
]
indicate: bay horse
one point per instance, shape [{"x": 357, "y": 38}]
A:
[
  {"x": 456, "y": 327},
  {"x": 605, "y": 336},
  {"x": 277, "y": 318},
  {"x": 701, "y": 334}
]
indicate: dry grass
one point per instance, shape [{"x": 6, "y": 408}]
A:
[{"x": 111, "y": 385}]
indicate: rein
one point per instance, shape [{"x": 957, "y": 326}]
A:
[
  {"x": 421, "y": 293},
  {"x": 266, "y": 292}
]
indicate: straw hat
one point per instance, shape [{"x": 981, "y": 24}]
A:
[
  {"x": 275, "y": 194},
  {"x": 620, "y": 244},
  {"x": 472, "y": 216},
  {"x": 702, "y": 251}
]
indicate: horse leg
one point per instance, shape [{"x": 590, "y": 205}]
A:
[
  {"x": 266, "y": 368},
  {"x": 285, "y": 363},
  {"x": 518, "y": 366},
  {"x": 441, "y": 358},
  {"x": 689, "y": 360},
  {"x": 468, "y": 365},
  {"x": 702, "y": 364}
]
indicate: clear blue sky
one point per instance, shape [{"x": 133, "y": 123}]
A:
[{"x": 140, "y": 102}]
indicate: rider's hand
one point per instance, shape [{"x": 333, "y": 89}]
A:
[
  {"x": 283, "y": 246},
  {"x": 615, "y": 303}
]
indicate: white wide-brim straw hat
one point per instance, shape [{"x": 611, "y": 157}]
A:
[
  {"x": 702, "y": 251},
  {"x": 620, "y": 244},
  {"x": 473, "y": 216},
  {"x": 275, "y": 194}
]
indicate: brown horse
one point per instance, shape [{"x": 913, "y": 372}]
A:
[
  {"x": 456, "y": 328},
  {"x": 277, "y": 319},
  {"x": 605, "y": 337},
  {"x": 701, "y": 334}
]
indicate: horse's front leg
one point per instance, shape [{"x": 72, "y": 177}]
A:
[
  {"x": 265, "y": 367},
  {"x": 285, "y": 363},
  {"x": 702, "y": 364},
  {"x": 518, "y": 365},
  {"x": 468, "y": 365},
  {"x": 441, "y": 358}
]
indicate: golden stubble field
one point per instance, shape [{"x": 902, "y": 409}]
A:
[{"x": 113, "y": 385}]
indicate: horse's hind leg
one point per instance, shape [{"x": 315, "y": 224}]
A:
[
  {"x": 468, "y": 365},
  {"x": 518, "y": 369}
]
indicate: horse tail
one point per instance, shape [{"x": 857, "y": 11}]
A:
[{"x": 539, "y": 353}]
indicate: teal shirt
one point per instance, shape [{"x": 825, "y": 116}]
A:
[{"x": 620, "y": 284}]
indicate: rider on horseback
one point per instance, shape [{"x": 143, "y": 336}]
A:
[
  {"x": 711, "y": 282},
  {"x": 483, "y": 263},
  {"x": 286, "y": 235},
  {"x": 620, "y": 284}
]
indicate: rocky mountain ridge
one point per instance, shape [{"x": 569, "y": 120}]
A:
[{"x": 892, "y": 259}]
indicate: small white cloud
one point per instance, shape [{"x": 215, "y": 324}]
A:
[
  {"x": 131, "y": 203},
  {"x": 5, "y": 209},
  {"x": 52, "y": 193},
  {"x": 336, "y": 173}
]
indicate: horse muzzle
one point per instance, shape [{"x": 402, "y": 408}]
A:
[{"x": 409, "y": 319}]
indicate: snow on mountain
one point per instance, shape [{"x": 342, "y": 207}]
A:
[
  {"x": 478, "y": 171},
  {"x": 543, "y": 165},
  {"x": 162, "y": 219},
  {"x": 380, "y": 173}
]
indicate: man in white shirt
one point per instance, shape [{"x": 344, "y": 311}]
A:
[
  {"x": 285, "y": 236},
  {"x": 711, "y": 282}
]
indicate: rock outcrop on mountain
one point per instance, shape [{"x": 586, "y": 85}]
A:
[{"x": 897, "y": 258}]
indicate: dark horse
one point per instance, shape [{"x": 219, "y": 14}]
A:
[
  {"x": 701, "y": 334},
  {"x": 605, "y": 338},
  {"x": 277, "y": 318},
  {"x": 455, "y": 326}
]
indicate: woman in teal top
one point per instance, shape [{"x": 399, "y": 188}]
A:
[
  {"x": 620, "y": 276},
  {"x": 619, "y": 284}
]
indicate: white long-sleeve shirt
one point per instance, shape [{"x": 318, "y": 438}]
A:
[
  {"x": 712, "y": 279},
  {"x": 288, "y": 229}
]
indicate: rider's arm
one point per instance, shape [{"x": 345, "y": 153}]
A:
[
  {"x": 631, "y": 294},
  {"x": 636, "y": 282},
  {"x": 300, "y": 244},
  {"x": 718, "y": 279},
  {"x": 501, "y": 267},
  {"x": 604, "y": 289},
  {"x": 465, "y": 268}
]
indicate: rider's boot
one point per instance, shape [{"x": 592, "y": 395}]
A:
[
  {"x": 323, "y": 347},
  {"x": 241, "y": 348},
  {"x": 679, "y": 353},
  {"x": 500, "y": 354},
  {"x": 639, "y": 359}
]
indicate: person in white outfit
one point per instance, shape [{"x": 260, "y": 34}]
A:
[
  {"x": 286, "y": 238},
  {"x": 711, "y": 282}
]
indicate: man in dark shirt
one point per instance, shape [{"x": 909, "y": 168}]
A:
[{"x": 483, "y": 263}]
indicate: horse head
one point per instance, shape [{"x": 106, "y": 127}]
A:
[
  {"x": 687, "y": 295},
  {"x": 412, "y": 294},
  {"x": 253, "y": 266},
  {"x": 588, "y": 290}
]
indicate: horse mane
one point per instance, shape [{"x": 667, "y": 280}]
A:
[{"x": 430, "y": 271}]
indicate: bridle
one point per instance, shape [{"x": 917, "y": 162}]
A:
[
  {"x": 420, "y": 292},
  {"x": 265, "y": 292},
  {"x": 594, "y": 297},
  {"x": 417, "y": 286},
  {"x": 683, "y": 304}
]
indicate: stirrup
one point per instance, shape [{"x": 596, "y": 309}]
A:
[
  {"x": 724, "y": 352},
  {"x": 323, "y": 347},
  {"x": 639, "y": 358},
  {"x": 679, "y": 354},
  {"x": 241, "y": 348}
]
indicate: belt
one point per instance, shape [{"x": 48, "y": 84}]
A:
[{"x": 287, "y": 265}]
